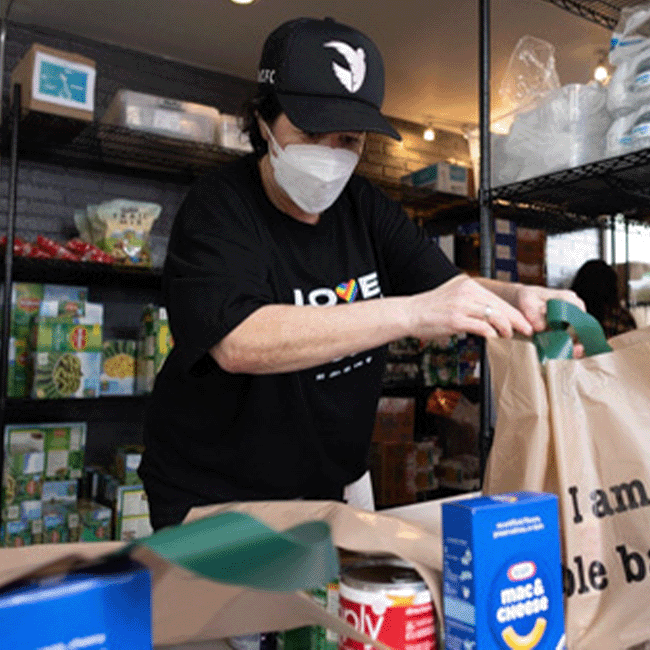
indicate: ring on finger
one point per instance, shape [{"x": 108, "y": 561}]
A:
[{"x": 488, "y": 312}]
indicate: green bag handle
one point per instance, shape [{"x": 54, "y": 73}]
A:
[
  {"x": 236, "y": 549},
  {"x": 556, "y": 343}
]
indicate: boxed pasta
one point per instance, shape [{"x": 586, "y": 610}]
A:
[
  {"x": 67, "y": 350},
  {"x": 502, "y": 572},
  {"x": 154, "y": 345},
  {"x": 118, "y": 367}
]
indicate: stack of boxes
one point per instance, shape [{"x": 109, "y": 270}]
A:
[
  {"x": 49, "y": 497},
  {"x": 57, "y": 347},
  {"x": 40, "y": 477},
  {"x": 26, "y": 300},
  {"x": 120, "y": 490},
  {"x": 402, "y": 468}
]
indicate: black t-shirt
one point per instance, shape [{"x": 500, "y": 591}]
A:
[{"x": 223, "y": 436}]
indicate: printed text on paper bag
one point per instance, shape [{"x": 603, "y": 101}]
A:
[{"x": 581, "y": 574}]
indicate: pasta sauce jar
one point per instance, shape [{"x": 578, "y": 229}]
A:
[{"x": 387, "y": 599}]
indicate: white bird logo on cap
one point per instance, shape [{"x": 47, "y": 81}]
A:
[{"x": 352, "y": 78}]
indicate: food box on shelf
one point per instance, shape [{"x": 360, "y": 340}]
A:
[
  {"x": 442, "y": 176},
  {"x": 131, "y": 513},
  {"x": 42, "y": 463},
  {"x": 94, "y": 521},
  {"x": 127, "y": 461},
  {"x": 67, "y": 351},
  {"x": 162, "y": 116},
  {"x": 118, "y": 366},
  {"x": 26, "y": 298},
  {"x": 56, "y": 82},
  {"x": 154, "y": 345}
]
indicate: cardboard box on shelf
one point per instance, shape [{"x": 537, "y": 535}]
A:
[
  {"x": 460, "y": 472},
  {"x": 127, "y": 461},
  {"x": 26, "y": 299},
  {"x": 118, "y": 366},
  {"x": 154, "y": 345},
  {"x": 94, "y": 521},
  {"x": 131, "y": 513},
  {"x": 395, "y": 419},
  {"x": 401, "y": 470},
  {"x": 56, "y": 82},
  {"x": 442, "y": 177},
  {"x": 67, "y": 351}
]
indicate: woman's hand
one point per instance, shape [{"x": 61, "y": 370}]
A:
[
  {"x": 531, "y": 301},
  {"x": 463, "y": 305}
]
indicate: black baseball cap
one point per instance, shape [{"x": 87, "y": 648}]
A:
[{"x": 327, "y": 76}]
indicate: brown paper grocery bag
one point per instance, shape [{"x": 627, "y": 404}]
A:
[
  {"x": 581, "y": 429},
  {"x": 353, "y": 530},
  {"x": 189, "y": 608}
]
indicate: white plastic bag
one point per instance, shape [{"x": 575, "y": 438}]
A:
[
  {"x": 632, "y": 33},
  {"x": 565, "y": 130},
  {"x": 530, "y": 74}
]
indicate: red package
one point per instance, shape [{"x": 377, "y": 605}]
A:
[
  {"x": 37, "y": 253},
  {"x": 55, "y": 249},
  {"x": 21, "y": 248},
  {"x": 97, "y": 256},
  {"x": 89, "y": 252}
]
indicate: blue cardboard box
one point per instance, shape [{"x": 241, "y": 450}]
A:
[
  {"x": 502, "y": 573},
  {"x": 104, "y": 607}
]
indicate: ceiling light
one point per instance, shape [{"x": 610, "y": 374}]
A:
[
  {"x": 429, "y": 134},
  {"x": 243, "y": 2},
  {"x": 601, "y": 73}
]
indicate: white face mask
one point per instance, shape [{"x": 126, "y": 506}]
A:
[{"x": 312, "y": 175}]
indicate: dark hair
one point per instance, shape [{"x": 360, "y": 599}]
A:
[
  {"x": 263, "y": 104},
  {"x": 596, "y": 283}
]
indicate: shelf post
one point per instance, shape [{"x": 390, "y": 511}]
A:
[
  {"x": 9, "y": 258},
  {"x": 485, "y": 215}
]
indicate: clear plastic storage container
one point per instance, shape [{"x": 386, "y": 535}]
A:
[{"x": 163, "y": 116}]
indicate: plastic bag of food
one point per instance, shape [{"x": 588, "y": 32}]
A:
[
  {"x": 632, "y": 34},
  {"x": 122, "y": 227},
  {"x": 530, "y": 74}
]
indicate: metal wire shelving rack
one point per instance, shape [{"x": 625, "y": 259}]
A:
[{"x": 570, "y": 199}]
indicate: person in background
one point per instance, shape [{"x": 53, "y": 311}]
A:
[
  {"x": 596, "y": 283},
  {"x": 286, "y": 277}
]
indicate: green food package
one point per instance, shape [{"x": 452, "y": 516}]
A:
[{"x": 67, "y": 351}]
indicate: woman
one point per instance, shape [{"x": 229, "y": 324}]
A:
[
  {"x": 596, "y": 283},
  {"x": 286, "y": 277}
]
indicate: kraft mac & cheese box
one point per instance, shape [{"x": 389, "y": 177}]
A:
[
  {"x": 104, "y": 606},
  {"x": 502, "y": 573}
]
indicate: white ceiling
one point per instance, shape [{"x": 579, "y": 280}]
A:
[{"x": 430, "y": 47}]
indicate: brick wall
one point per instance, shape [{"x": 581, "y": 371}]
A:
[{"x": 389, "y": 160}]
